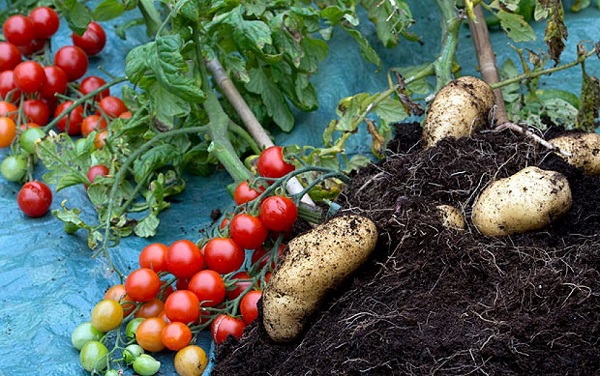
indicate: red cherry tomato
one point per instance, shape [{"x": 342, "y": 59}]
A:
[
  {"x": 36, "y": 111},
  {"x": 278, "y": 213},
  {"x": 243, "y": 193},
  {"x": 10, "y": 56},
  {"x": 32, "y": 47},
  {"x": 184, "y": 259},
  {"x": 111, "y": 106},
  {"x": 56, "y": 82},
  {"x": 248, "y": 305},
  {"x": 247, "y": 231},
  {"x": 8, "y": 89},
  {"x": 73, "y": 60},
  {"x": 100, "y": 139},
  {"x": 223, "y": 255},
  {"x": 92, "y": 83},
  {"x": 18, "y": 30},
  {"x": 271, "y": 164},
  {"x": 34, "y": 199},
  {"x": 92, "y": 123},
  {"x": 154, "y": 256},
  {"x": 142, "y": 284},
  {"x": 45, "y": 21},
  {"x": 92, "y": 41},
  {"x": 100, "y": 170},
  {"x": 224, "y": 326},
  {"x": 8, "y": 109},
  {"x": 69, "y": 122},
  {"x": 29, "y": 76},
  {"x": 209, "y": 287},
  {"x": 151, "y": 308},
  {"x": 182, "y": 306}
]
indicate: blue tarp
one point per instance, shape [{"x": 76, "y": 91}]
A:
[{"x": 49, "y": 283}]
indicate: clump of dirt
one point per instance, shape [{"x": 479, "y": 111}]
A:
[{"x": 433, "y": 300}]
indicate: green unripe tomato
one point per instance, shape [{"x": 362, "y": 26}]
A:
[
  {"x": 14, "y": 167},
  {"x": 85, "y": 333},
  {"x": 146, "y": 365},
  {"x": 70, "y": 227},
  {"x": 132, "y": 352},
  {"x": 132, "y": 326},
  {"x": 30, "y": 137},
  {"x": 111, "y": 372},
  {"x": 93, "y": 356}
]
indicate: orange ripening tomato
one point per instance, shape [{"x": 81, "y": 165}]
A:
[{"x": 148, "y": 334}]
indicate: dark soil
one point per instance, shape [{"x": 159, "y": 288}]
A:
[{"x": 433, "y": 300}]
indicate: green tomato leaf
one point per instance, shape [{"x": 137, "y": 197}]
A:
[
  {"x": 579, "y": 5},
  {"x": 590, "y": 103},
  {"x": 248, "y": 34},
  {"x": 516, "y": 27},
  {"x": 70, "y": 179},
  {"x": 390, "y": 111},
  {"x": 147, "y": 227},
  {"x": 273, "y": 99},
  {"x": 136, "y": 62},
  {"x": 167, "y": 105},
  {"x": 77, "y": 14},
  {"x": 365, "y": 48},
  {"x": 108, "y": 10},
  {"x": 314, "y": 52},
  {"x": 155, "y": 158},
  {"x": 391, "y": 19},
  {"x": 170, "y": 69}
]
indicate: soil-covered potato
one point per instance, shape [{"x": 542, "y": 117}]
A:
[
  {"x": 451, "y": 217},
  {"x": 315, "y": 262},
  {"x": 584, "y": 150},
  {"x": 528, "y": 200},
  {"x": 458, "y": 109}
]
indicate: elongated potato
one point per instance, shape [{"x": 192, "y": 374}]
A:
[
  {"x": 457, "y": 110},
  {"x": 528, "y": 200},
  {"x": 584, "y": 149},
  {"x": 315, "y": 262}
]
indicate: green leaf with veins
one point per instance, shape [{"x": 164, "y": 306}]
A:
[
  {"x": 108, "y": 10},
  {"x": 59, "y": 155},
  {"x": 516, "y": 27},
  {"x": 272, "y": 98}
]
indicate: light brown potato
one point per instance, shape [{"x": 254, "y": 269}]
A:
[
  {"x": 451, "y": 217},
  {"x": 315, "y": 262},
  {"x": 526, "y": 201},
  {"x": 584, "y": 149},
  {"x": 458, "y": 109}
]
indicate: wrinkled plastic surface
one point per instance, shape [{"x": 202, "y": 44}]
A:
[{"x": 49, "y": 283}]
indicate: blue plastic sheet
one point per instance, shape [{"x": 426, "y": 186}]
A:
[{"x": 49, "y": 283}]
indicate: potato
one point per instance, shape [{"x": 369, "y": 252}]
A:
[
  {"x": 584, "y": 149},
  {"x": 451, "y": 216},
  {"x": 457, "y": 110},
  {"x": 528, "y": 200},
  {"x": 315, "y": 262}
]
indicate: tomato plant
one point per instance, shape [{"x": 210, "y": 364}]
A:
[
  {"x": 92, "y": 356},
  {"x": 92, "y": 83},
  {"x": 184, "y": 259},
  {"x": 278, "y": 213},
  {"x": 176, "y": 335},
  {"x": 146, "y": 365},
  {"x": 14, "y": 167},
  {"x": 223, "y": 255},
  {"x": 242, "y": 281},
  {"x": 247, "y": 231},
  {"x": 107, "y": 315},
  {"x": 249, "y": 307},
  {"x": 154, "y": 256},
  {"x": 182, "y": 306},
  {"x": 34, "y": 199},
  {"x": 8, "y": 89},
  {"x": 271, "y": 164},
  {"x": 84, "y": 333},
  {"x": 18, "y": 30},
  {"x": 45, "y": 21},
  {"x": 10, "y": 56},
  {"x": 151, "y": 308},
  {"x": 8, "y": 131},
  {"x": 92, "y": 123},
  {"x": 148, "y": 333},
  {"x": 142, "y": 284},
  {"x": 209, "y": 287},
  {"x": 29, "y": 76},
  {"x": 72, "y": 60},
  {"x": 224, "y": 326},
  {"x": 100, "y": 139},
  {"x": 92, "y": 41},
  {"x": 111, "y": 106},
  {"x": 29, "y": 137}
]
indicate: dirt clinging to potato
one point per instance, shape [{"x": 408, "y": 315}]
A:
[{"x": 433, "y": 300}]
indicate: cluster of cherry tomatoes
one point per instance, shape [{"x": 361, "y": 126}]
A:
[
  {"x": 183, "y": 288},
  {"x": 40, "y": 90}
]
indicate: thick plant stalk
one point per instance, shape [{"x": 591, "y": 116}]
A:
[
  {"x": 489, "y": 73},
  {"x": 250, "y": 121}
]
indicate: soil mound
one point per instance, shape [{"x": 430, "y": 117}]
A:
[{"x": 433, "y": 300}]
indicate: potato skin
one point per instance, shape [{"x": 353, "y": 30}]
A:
[
  {"x": 584, "y": 149},
  {"x": 315, "y": 262},
  {"x": 451, "y": 217},
  {"x": 457, "y": 110},
  {"x": 528, "y": 200}
]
